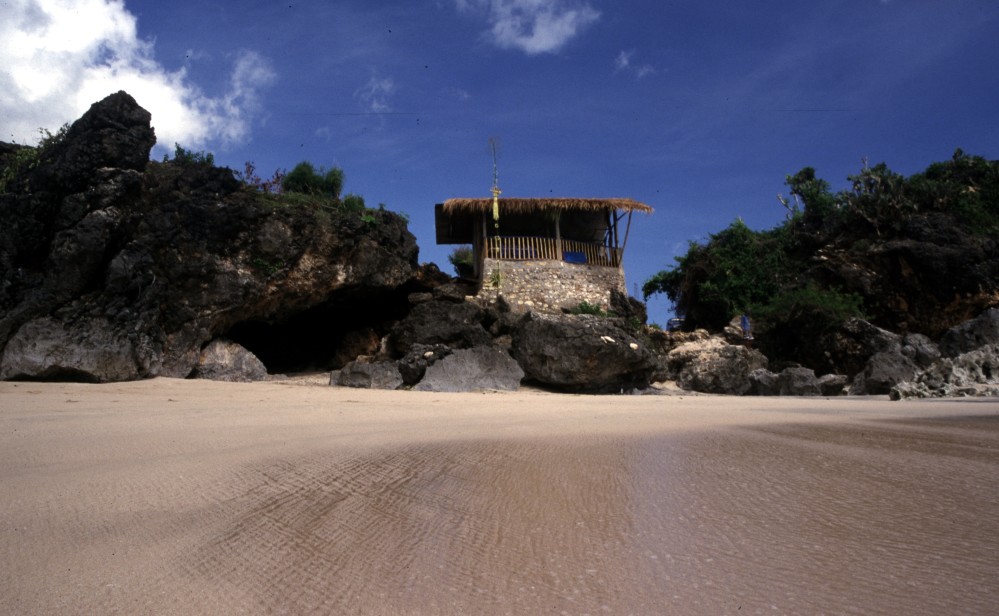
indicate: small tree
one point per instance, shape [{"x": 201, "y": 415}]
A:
[
  {"x": 353, "y": 203},
  {"x": 306, "y": 179},
  {"x": 463, "y": 261},
  {"x": 189, "y": 158}
]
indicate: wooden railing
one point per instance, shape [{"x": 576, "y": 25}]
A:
[{"x": 526, "y": 248}]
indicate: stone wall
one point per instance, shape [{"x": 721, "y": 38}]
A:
[{"x": 549, "y": 286}]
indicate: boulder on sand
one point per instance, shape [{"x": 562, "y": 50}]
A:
[
  {"x": 475, "y": 369},
  {"x": 224, "y": 360},
  {"x": 581, "y": 353}
]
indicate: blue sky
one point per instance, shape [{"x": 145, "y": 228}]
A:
[{"x": 699, "y": 109}]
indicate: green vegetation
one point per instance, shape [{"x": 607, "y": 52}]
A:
[
  {"x": 308, "y": 186},
  {"x": 353, "y": 203},
  {"x": 738, "y": 269},
  {"x": 585, "y": 307},
  {"x": 269, "y": 268},
  {"x": 774, "y": 275},
  {"x": 21, "y": 161},
  {"x": 882, "y": 201},
  {"x": 26, "y": 158},
  {"x": 462, "y": 259},
  {"x": 304, "y": 178},
  {"x": 190, "y": 158}
]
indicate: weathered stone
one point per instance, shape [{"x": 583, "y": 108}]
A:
[
  {"x": 114, "y": 133},
  {"x": 627, "y": 307},
  {"x": 581, "y": 353},
  {"x": 764, "y": 383},
  {"x": 970, "y": 335},
  {"x": 452, "y": 292},
  {"x": 374, "y": 375},
  {"x": 883, "y": 371},
  {"x": 549, "y": 286},
  {"x": 475, "y": 369},
  {"x": 712, "y": 366},
  {"x": 457, "y": 325},
  {"x": 414, "y": 364},
  {"x": 798, "y": 381},
  {"x": 168, "y": 256},
  {"x": 89, "y": 350},
  {"x": 922, "y": 272},
  {"x": 855, "y": 342},
  {"x": 975, "y": 373},
  {"x": 920, "y": 349},
  {"x": 224, "y": 360},
  {"x": 833, "y": 384}
]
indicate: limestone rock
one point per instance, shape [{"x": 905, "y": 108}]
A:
[
  {"x": 154, "y": 260},
  {"x": 570, "y": 352},
  {"x": 452, "y": 323},
  {"x": 975, "y": 373},
  {"x": 224, "y": 360},
  {"x": 852, "y": 346},
  {"x": 833, "y": 384},
  {"x": 764, "y": 383},
  {"x": 970, "y": 335},
  {"x": 920, "y": 349},
  {"x": 414, "y": 364},
  {"x": 883, "y": 371},
  {"x": 627, "y": 307},
  {"x": 475, "y": 369},
  {"x": 798, "y": 381},
  {"x": 713, "y": 366},
  {"x": 89, "y": 350},
  {"x": 374, "y": 375},
  {"x": 115, "y": 133}
]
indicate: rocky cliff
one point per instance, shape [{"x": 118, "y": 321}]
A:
[{"x": 113, "y": 267}]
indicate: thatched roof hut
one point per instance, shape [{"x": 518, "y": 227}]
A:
[
  {"x": 574, "y": 230},
  {"x": 517, "y": 205}
]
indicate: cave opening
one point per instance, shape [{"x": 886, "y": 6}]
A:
[{"x": 324, "y": 337}]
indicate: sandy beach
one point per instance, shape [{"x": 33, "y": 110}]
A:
[{"x": 196, "y": 497}]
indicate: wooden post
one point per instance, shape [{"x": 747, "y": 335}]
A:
[
  {"x": 627, "y": 230},
  {"x": 558, "y": 236}
]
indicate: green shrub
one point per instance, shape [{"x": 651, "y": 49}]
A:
[
  {"x": 26, "y": 158},
  {"x": 353, "y": 203},
  {"x": 306, "y": 179},
  {"x": 21, "y": 161},
  {"x": 462, "y": 259},
  {"x": 585, "y": 307},
  {"x": 190, "y": 158}
]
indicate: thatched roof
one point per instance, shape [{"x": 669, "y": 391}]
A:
[{"x": 519, "y": 205}]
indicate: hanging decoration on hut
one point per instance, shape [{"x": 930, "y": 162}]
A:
[{"x": 496, "y": 189}]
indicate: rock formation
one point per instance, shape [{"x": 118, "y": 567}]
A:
[
  {"x": 116, "y": 268},
  {"x": 969, "y": 365},
  {"x": 224, "y": 360},
  {"x": 711, "y": 365},
  {"x": 582, "y": 353},
  {"x": 478, "y": 368}
]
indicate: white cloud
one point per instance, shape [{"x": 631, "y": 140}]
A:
[
  {"x": 460, "y": 94},
  {"x": 533, "y": 26},
  {"x": 60, "y": 56},
  {"x": 375, "y": 94},
  {"x": 623, "y": 63}
]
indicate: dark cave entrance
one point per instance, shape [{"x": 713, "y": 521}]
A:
[{"x": 324, "y": 337}]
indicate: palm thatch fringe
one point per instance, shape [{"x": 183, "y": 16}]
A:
[{"x": 523, "y": 206}]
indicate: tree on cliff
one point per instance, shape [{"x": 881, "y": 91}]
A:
[
  {"x": 306, "y": 179},
  {"x": 908, "y": 253}
]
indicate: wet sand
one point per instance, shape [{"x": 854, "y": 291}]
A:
[{"x": 192, "y": 497}]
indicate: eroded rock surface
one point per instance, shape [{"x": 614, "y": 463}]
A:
[{"x": 113, "y": 267}]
